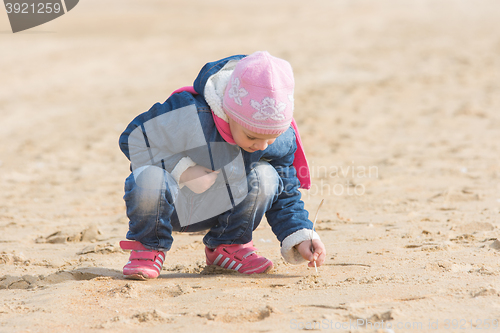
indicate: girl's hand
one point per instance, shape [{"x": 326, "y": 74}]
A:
[
  {"x": 198, "y": 178},
  {"x": 319, "y": 254}
]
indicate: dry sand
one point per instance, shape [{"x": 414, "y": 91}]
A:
[{"x": 398, "y": 103}]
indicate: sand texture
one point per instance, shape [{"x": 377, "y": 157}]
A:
[{"x": 398, "y": 103}]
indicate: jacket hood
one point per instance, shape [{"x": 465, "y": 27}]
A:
[{"x": 212, "y": 81}]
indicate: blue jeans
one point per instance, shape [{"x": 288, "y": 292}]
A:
[{"x": 153, "y": 216}]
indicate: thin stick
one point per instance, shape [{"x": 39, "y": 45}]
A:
[{"x": 312, "y": 232}]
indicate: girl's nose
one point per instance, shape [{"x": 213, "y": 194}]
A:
[{"x": 262, "y": 145}]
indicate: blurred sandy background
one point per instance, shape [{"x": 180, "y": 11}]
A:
[{"x": 398, "y": 103}]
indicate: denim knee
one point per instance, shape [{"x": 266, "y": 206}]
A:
[
  {"x": 145, "y": 186},
  {"x": 149, "y": 202},
  {"x": 265, "y": 179}
]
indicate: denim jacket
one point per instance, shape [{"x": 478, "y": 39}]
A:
[{"x": 186, "y": 120}]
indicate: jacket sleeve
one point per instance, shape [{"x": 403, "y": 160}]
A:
[
  {"x": 287, "y": 217},
  {"x": 165, "y": 134}
]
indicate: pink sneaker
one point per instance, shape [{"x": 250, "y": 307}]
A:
[
  {"x": 238, "y": 257},
  {"x": 143, "y": 263}
]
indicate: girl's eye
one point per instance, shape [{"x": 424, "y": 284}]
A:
[{"x": 250, "y": 138}]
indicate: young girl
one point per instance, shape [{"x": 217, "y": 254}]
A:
[{"x": 218, "y": 156}]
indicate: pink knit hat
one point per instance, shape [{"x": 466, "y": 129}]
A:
[{"x": 259, "y": 95}]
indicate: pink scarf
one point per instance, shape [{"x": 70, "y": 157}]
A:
[{"x": 299, "y": 162}]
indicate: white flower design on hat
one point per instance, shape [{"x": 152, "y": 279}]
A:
[
  {"x": 235, "y": 92},
  {"x": 268, "y": 109}
]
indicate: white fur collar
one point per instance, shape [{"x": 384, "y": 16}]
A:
[{"x": 215, "y": 87}]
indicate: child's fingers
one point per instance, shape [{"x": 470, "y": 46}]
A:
[
  {"x": 315, "y": 257},
  {"x": 304, "y": 249},
  {"x": 311, "y": 256},
  {"x": 321, "y": 259},
  {"x": 319, "y": 252},
  {"x": 207, "y": 170},
  {"x": 212, "y": 172}
]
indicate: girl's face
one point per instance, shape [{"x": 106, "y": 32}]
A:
[{"x": 250, "y": 141}]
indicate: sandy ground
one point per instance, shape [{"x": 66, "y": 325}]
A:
[{"x": 398, "y": 103}]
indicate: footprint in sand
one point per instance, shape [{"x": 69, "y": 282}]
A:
[
  {"x": 91, "y": 234},
  {"x": 31, "y": 281}
]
